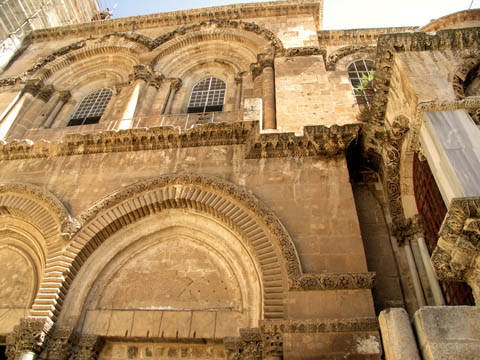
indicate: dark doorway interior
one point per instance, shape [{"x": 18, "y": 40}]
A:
[{"x": 3, "y": 349}]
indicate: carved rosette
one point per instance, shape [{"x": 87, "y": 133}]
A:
[
  {"x": 456, "y": 256},
  {"x": 29, "y": 336},
  {"x": 88, "y": 347}
]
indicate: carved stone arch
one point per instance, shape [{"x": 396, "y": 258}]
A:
[
  {"x": 34, "y": 228},
  {"x": 347, "y": 54},
  {"x": 254, "y": 36},
  {"x": 238, "y": 209},
  {"x": 111, "y": 43}
]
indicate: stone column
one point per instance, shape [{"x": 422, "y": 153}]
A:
[
  {"x": 417, "y": 286},
  {"x": 175, "y": 85},
  {"x": 149, "y": 98},
  {"x": 268, "y": 96},
  {"x": 141, "y": 77},
  {"x": 397, "y": 335},
  {"x": 62, "y": 99},
  {"x": 239, "y": 90}
]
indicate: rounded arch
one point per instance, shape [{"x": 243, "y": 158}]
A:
[
  {"x": 239, "y": 210},
  {"x": 342, "y": 57},
  {"x": 464, "y": 75},
  {"x": 109, "y": 43},
  {"x": 253, "y": 36}
]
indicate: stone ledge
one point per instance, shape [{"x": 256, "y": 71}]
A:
[{"x": 317, "y": 140}]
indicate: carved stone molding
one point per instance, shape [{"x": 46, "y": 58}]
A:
[
  {"x": 248, "y": 346},
  {"x": 304, "y": 51},
  {"x": 29, "y": 336},
  {"x": 316, "y": 141},
  {"x": 347, "y": 281},
  {"x": 458, "y": 247},
  {"x": 332, "y": 59},
  {"x": 11, "y": 81},
  {"x": 318, "y": 326}
]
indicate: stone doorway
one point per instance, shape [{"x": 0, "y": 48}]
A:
[{"x": 187, "y": 349}]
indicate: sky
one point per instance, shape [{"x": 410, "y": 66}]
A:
[{"x": 338, "y": 14}]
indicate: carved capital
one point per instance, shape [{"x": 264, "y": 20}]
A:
[
  {"x": 29, "y": 336},
  {"x": 175, "y": 84},
  {"x": 33, "y": 86},
  {"x": 157, "y": 81},
  {"x": 88, "y": 347},
  {"x": 408, "y": 229},
  {"x": 142, "y": 72},
  {"x": 46, "y": 93},
  {"x": 252, "y": 344},
  {"x": 264, "y": 60},
  {"x": 65, "y": 96},
  {"x": 239, "y": 77},
  {"x": 458, "y": 247}
]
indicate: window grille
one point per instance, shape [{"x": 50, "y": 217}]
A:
[
  {"x": 432, "y": 210},
  {"x": 360, "y": 74},
  {"x": 91, "y": 108},
  {"x": 208, "y": 95}
]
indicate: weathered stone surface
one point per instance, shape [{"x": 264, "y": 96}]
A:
[{"x": 448, "y": 332}]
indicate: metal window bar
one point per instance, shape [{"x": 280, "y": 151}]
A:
[
  {"x": 363, "y": 95},
  {"x": 91, "y": 108},
  {"x": 208, "y": 92},
  {"x": 432, "y": 211}
]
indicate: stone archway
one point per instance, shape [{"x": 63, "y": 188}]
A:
[{"x": 253, "y": 223}]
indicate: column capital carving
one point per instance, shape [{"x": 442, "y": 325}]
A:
[
  {"x": 157, "y": 80},
  {"x": 29, "y": 336},
  {"x": 264, "y": 60},
  {"x": 46, "y": 92},
  {"x": 409, "y": 229},
  {"x": 33, "y": 86},
  {"x": 458, "y": 248},
  {"x": 142, "y": 72},
  {"x": 65, "y": 95},
  {"x": 175, "y": 84},
  {"x": 239, "y": 76}
]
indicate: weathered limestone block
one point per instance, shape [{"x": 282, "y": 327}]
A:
[
  {"x": 451, "y": 332},
  {"x": 397, "y": 335}
]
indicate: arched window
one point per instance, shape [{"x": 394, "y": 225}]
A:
[
  {"x": 208, "y": 95},
  {"x": 360, "y": 74},
  {"x": 91, "y": 108}
]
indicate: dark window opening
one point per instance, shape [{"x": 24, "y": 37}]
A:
[
  {"x": 3, "y": 352},
  {"x": 91, "y": 108},
  {"x": 208, "y": 95},
  {"x": 360, "y": 74},
  {"x": 432, "y": 210}
]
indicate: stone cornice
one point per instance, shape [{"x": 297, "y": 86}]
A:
[
  {"x": 316, "y": 141},
  {"x": 178, "y": 18},
  {"x": 357, "y": 36}
]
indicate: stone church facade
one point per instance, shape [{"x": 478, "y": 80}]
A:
[{"x": 230, "y": 182}]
